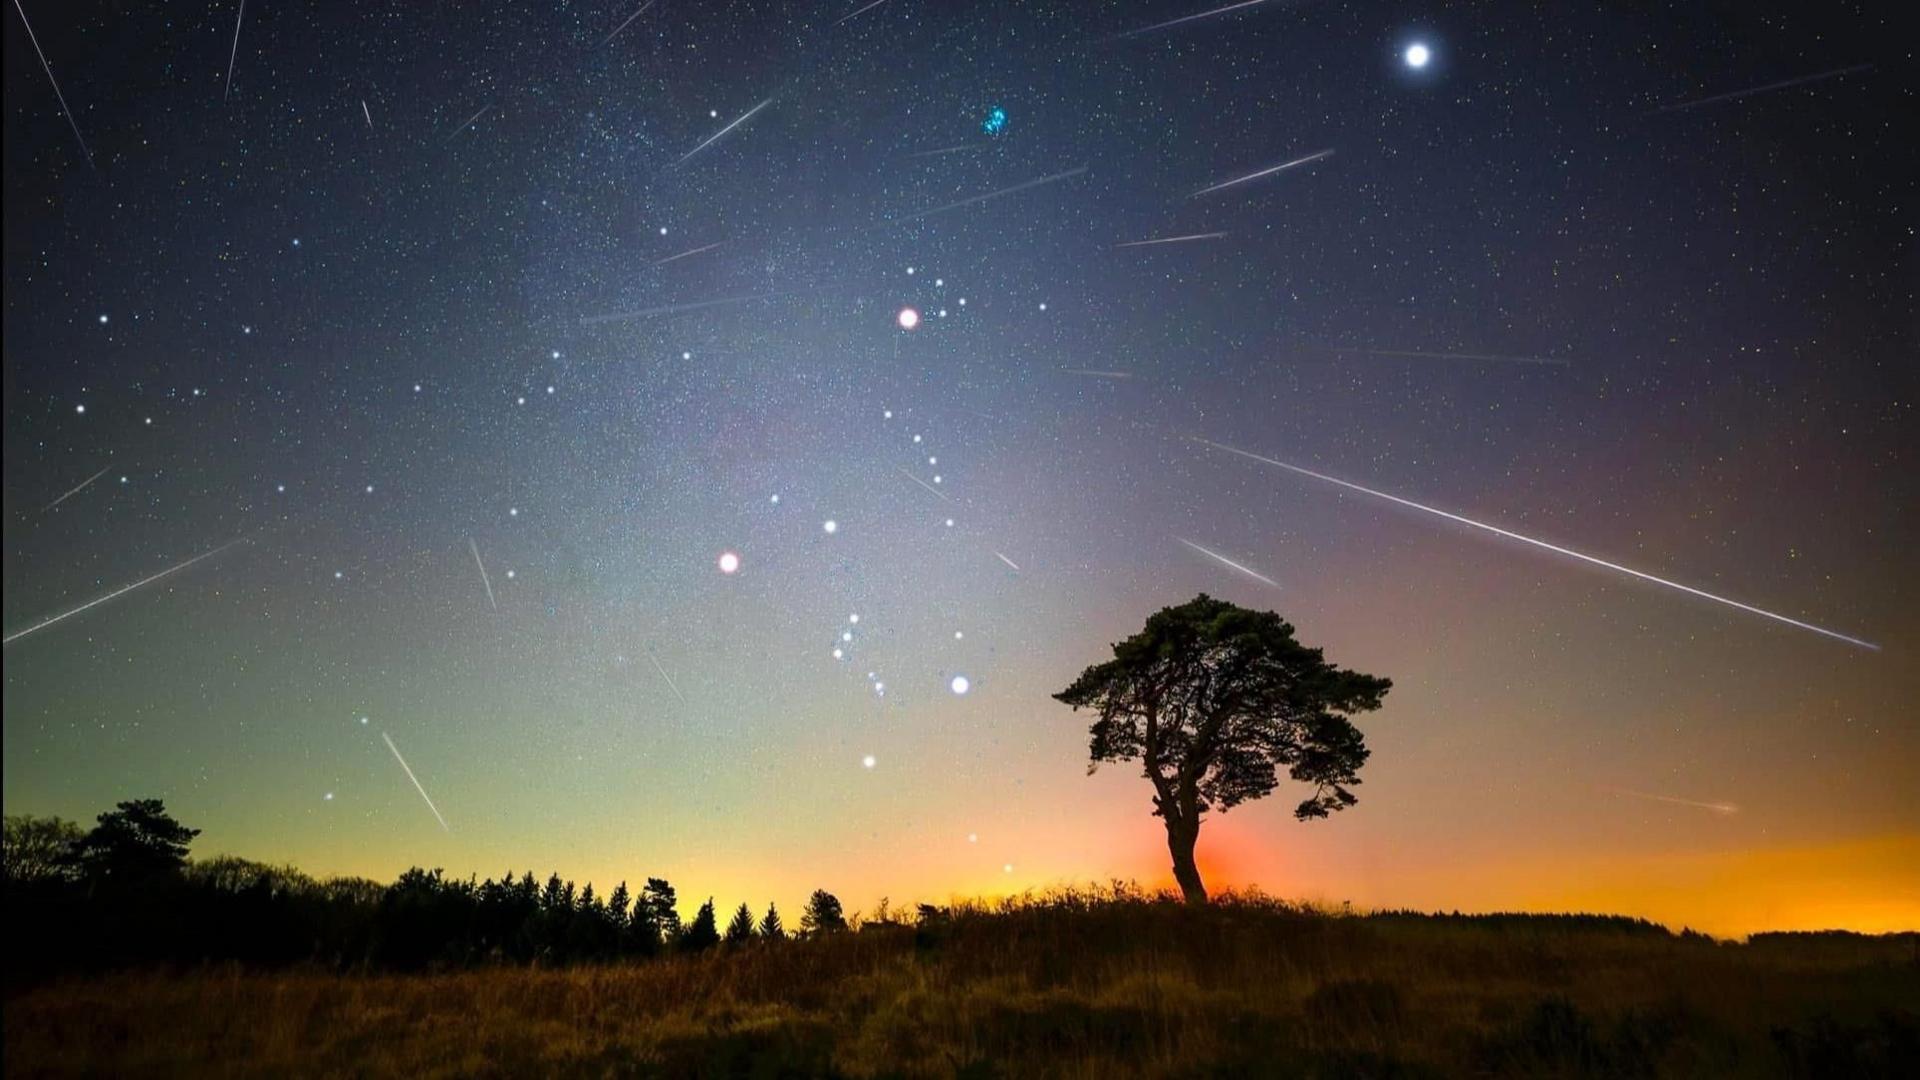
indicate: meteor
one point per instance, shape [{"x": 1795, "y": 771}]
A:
[
  {"x": 663, "y": 674},
  {"x": 1006, "y": 560},
  {"x": 941, "y": 494},
  {"x": 1542, "y": 544},
  {"x": 469, "y": 123},
  {"x": 1097, "y": 374},
  {"x": 1056, "y": 177},
  {"x": 416, "y": 782},
  {"x": 670, "y": 309},
  {"x": 1172, "y": 239},
  {"x": 484, "y": 579},
  {"x": 77, "y": 489},
  {"x": 684, "y": 254},
  {"x": 234, "y": 53},
  {"x": 1724, "y": 809},
  {"x": 1190, "y": 18},
  {"x": 1282, "y": 167},
  {"x": 1219, "y": 558},
  {"x": 366, "y": 112},
  {"x": 1461, "y": 356},
  {"x": 121, "y": 591},
  {"x": 58, "y": 96},
  {"x": 710, "y": 139},
  {"x": 944, "y": 150},
  {"x": 624, "y": 25},
  {"x": 861, "y": 11},
  {"x": 1750, "y": 91}
]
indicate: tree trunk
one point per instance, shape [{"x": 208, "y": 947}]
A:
[{"x": 1181, "y": 834}]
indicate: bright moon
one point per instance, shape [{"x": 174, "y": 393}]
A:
[
  {"x": 1418, "y": 55},
  {"x": 909, "y": 318}
]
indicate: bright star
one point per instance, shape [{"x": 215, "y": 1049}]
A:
[{"x": 1417, "y": 55}]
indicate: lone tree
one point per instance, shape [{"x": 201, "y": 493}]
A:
[
  {"x": 132, "y": 843},
  {"x": 1212, "y": 699}
]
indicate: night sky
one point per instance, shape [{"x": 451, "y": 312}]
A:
[{"x": 473, "y": 339}]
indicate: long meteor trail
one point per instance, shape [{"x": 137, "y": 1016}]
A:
[
  {"x": 1542, "y": 544},
  {"x": 1734, "y": 95},
  {"x": 1170, "y": 23},
  {"x": 1725, "y": 809},
  {"x": 234, "y": 53},
  {"x": 716, "y": 135},
  {"x": 416, "y": 781},
  {"x": 670, "y": 309},
  {"x": 1282, "y": 167},
  {"x": 1055, "y": 178},
  {"x": 1219, "y": 558},
  {"x": 684, "y": 254},
  {"x": 77, "y": 489},
  {"x": 456, "y": 131},
  {"x": 1172, "y": 239},
  {"x": 484, "y": 579},
  {"x": 629, "y": 22},
  {"x": 671, "y": 685},
  {"x": 121, "y": 591},
  {"x": 1486, "y": 357},
  {"x": 58, "y": 96},
  {"x": 936, "y": 491}
]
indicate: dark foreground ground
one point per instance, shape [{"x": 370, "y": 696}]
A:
[{"x": 1066, "y": 986}]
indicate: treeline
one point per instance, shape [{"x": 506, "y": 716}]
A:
[{"x": 125, "y": 894}]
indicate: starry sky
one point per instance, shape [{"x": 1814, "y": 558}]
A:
[{"x": 470, "y": 340}]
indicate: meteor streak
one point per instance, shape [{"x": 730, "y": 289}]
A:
[
  {"x": 1190, "y": 18},
  {"x": 1282, "y": 167},
  {"x": 670, "y": 309},
  {"x": 1555, "y": 548},
  {"x": 663, "y": 674},
  {"x": 1006, "y": 560},
  {"x": 924, "y": 484},
  {"x": 996, "y": 194},
  {"x": 684, "y": 254},
  {"x": 710, "y": 139},
  {"x": 366, "y": 112},
  {"x": 1097, "y": 374},
  {"x": 484, "y": 579},
  {"x": 58, "y": 96},
  {"x": 1724, "y": 809},
  {"x": 1172, "y": 239},
  {"x": 630, "y": 18},
  {"x": 416, "y": 782},
  {"x": 1219, "y": 558},
  {"x": 945, "y": 150},
  {"x": 1752, "y": 90},
  {"x": 234, "y": 53},
  {"x": 121, "y": 591},
  {"x": 861, "y": 11},
  {"x": 465, "y": 126},
  {"x": 1461, "y": 356},
  {"x": 77, "y": 489}
]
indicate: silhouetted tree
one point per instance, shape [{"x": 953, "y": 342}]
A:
[
  {"x": 617, "y": 908},
  {"x": 136, "y": 842},
  {"x": 740, "y": 930},
  {"x": 1212, "y": 698},
  {"x": 770, "y": 925},
  {"x": 823, "y": 914},
  {"x": 663, "y": 910},
  {"x": 703, "y": 932},
  {"x": 39, "y": 848}
]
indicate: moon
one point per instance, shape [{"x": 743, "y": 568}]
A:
[{"x": 1417, "y": 55}]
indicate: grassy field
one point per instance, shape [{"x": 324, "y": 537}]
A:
[{"x": 1068, "y": 985}]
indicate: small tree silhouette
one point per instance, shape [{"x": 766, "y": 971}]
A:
[
  {"x": 703, "y": 932},
  {"x": 663, "y": 911},
  {"x": 740, "y": 930},
  {"x": 133, "y": 843},
  {"x": 771, "y": 927},
  {"x": 39, "y": 848},
  {"x": 823, "y": 914},
  {"x": 1212, "y": 698}
]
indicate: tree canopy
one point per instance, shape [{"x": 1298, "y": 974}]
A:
[{"x": 1214, "y": 700}]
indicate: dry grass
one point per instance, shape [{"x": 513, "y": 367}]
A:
[{"x": 1071, "y": 985}]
